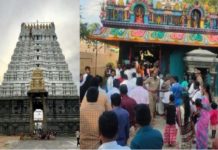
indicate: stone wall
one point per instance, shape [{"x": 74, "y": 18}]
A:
[{"x": 62, "y": 115}]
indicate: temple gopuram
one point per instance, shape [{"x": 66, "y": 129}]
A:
[
  {"x": 38, "y": 78},
  {"x": 179, "y": 36}
]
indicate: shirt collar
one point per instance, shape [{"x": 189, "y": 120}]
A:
[
  {"x": 145, "y": 128},
  {"x": 109, "y": 144}
]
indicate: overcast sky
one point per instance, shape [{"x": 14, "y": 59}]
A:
[
  {"x": 65, "y": 15},
  {"x": 90, "y": 10}
]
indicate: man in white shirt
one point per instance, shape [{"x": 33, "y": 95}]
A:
[
  {"x": 110, "y": 80},
  {"x": 133, "y": 69},
  {"x": 87, "y": 72},
  {"x": 115, "y": 89},
  {"x": 108, "y": 130},
  {"x": 161, "y": 95},
  {"x": 191, "y": 88},
  {"x": 118, "y": 70},
  {"x": 197, "y": 92},
  {"x": 133, "y": 80},
  {"x": 99, "y": 82},
  {"x": 139, "y": 93},
  {"x": 128, "y": 72},
  {"x": 127, "y": 83}
]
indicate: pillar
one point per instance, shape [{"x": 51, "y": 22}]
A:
[
  {"x": 177, "y": 64},
  {"x": 31, "y": 114},
  {"x": 132, "y": 17},
  {"x": 44, "y": 114},
  {"x": 202, "y": 23},
  {"x": 189, "y": 22}
]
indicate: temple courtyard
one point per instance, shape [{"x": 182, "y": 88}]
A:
[{"x": 13, "y": 142}]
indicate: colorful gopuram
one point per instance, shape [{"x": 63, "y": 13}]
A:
[{"x": 168, "y": 30}]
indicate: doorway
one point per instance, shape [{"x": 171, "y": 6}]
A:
[{"x": 38, "y": 115}]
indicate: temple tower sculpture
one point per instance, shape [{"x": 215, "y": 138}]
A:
[{"x": 38, "y": 77}]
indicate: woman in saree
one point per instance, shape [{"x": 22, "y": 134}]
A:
[
  {"x": 184, "y": 123},
  {"x": 202, "y": 125}
]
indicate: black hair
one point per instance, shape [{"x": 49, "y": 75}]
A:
[
  {"x": 92, "y": 94},
  {"x": 198, "y": 103},
  {"x": 128, "y": 66},
  {"x": 87, "y": 67},
  {"x": 143, "y": 115},
  {"x": 186, "y": 102},
  {"x": 172, "y": 98},
  {"x": 115, "y": 99},
  {"x": 133, "y": 74},
  {"x": 122, "y": 73},
  {"x": 175, "y": 78},
  {"x": 207, "y": 88},
  {"x": 112, "y": 70},
  {"x": 139, "y": 81},
  {"x": 196, "y": 85},
  {"x": 193, "y": 77},
  {"x": 123, "y": 89},
  {"x": 214, "y": 105},
  {"x": 99, "y": 79},
  {"x": 108, "y": 124},
  {"x": 125, "y": 77},
  {"x": 94, "y": 82},
  {"x": 116, "y": 83}
]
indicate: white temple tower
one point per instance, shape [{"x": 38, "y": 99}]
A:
[
  {"x": 38, "y": 47},
  {"x": 38, "y": 78}
]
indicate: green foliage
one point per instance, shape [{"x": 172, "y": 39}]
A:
[
  {"x": 86, "y": 29},
  {"x": 84, "y": 32}
]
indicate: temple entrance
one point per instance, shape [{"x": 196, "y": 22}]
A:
[
  {"x": 37, "y": 97},
  {"x": 38, "y": 120},
  {"x": 144, "y": 53}
]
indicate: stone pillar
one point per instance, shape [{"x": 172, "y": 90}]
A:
[
  {"x": 189, "y": 22},
  {"x": 31, "y": 114},
  {"x": 202, "y": 23},
  {"x": 44, "y": 114}
]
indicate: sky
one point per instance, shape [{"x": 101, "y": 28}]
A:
[
  {"x": 65, "y": 15},
  {"x": 90, "y": 10}
]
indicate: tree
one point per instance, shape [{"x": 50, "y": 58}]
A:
[
  {"x": 84, "y": 32},
  {"x": 93, "y": 27}
]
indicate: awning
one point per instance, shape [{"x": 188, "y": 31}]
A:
[{"x": 108, "y": 34}]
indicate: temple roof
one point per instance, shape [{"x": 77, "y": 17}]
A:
[
  {"x": 155, "y": 36},
  {"x": 202, "y": 52}
]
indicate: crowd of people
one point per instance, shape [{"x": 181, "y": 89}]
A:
[
  {"x": 121, "y": 114},
  {"x": 39, "y": 135}
]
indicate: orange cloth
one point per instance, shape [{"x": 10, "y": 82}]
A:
[
  {"x": 102, "y": 101},
  {"x": 89, "y": 133}
]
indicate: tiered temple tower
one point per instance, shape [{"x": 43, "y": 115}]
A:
[
  {"x": 37, "y": 47},
  {"x": 38, "y": 53}
]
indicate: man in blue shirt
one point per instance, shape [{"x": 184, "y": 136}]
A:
[
  {"x": 108, "y": 128},
  {"x": 123, "y": 119},
  {"x": 146, "y": 137},
  {"x": 177, "y": 90}
]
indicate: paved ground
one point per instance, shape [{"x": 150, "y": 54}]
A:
[{"x": 13, "y": 142}]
